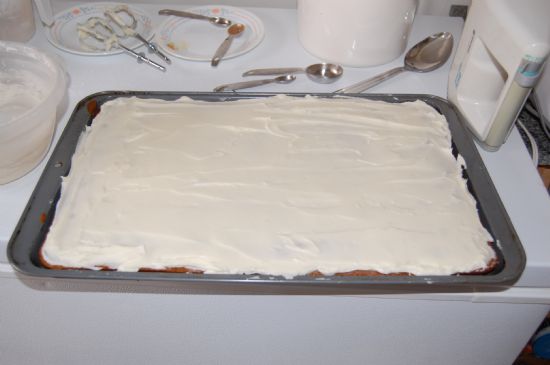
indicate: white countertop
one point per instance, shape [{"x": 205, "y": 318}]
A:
[{"x": 513, "y": 174}]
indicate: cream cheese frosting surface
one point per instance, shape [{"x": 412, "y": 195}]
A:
[{"x": 280, "y": 186}]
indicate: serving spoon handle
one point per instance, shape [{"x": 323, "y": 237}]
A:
[
  {"x": 273, "y": 71},
  {"x": 184, "y": 14},
  {"x": 246, "y": 84},
  {"x": 373, "y": 81}
]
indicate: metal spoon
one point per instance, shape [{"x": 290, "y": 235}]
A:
[
  {"x": 427, "y": 55},
  {"x": 285, "y": 79},
  {"x": 323, "y": 73},
  {"x": 233, "y": 31},
  {"x": 216, "y": 20}
]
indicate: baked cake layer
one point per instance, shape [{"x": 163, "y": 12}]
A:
[{"x": 279, "y": 186}]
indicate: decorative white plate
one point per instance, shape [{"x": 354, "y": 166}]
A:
[
  {"x": 64, "y": 34},
  {"x": 198, "y": 40}
]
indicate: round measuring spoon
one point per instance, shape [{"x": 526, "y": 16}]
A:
[
  {"x": 216, "y": 20},
  {"x": 285, "y": 79},
  {"x": 427, "y": 55},
  {"x": 233, "y": 31},
  {"x": 323, "y": 73}
]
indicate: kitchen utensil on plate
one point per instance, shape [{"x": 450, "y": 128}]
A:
[
  {"x": 216, "y": 20},
  {"x": 99, "y": 29},
  {"x": 130, "y": 29},
  {"x": 285, "y": 79},
  {"x": 427, "y": 55},
  {"x": 194, "y": 40},
  {"x": 64, "y": 33},
  {"x": 323, "y": 73},
  {"x": 233, "y": 31}
]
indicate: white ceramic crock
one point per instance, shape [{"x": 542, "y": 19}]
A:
[{"x": 356, "y": 33}]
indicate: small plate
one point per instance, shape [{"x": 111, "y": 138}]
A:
[
  {"x": 64, "y": 34},
  {"x": 198, "y": 40}
]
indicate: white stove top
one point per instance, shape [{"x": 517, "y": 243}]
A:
[{"x": 513, "y": 174}]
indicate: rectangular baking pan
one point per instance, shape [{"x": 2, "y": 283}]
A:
[{"x": 34, "y": 223}]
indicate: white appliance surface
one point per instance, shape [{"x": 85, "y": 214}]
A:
[
  {"x": 72, "y": 321},
  {"x": 491, "y": 77},
  {"x": 542, "y": 95}
]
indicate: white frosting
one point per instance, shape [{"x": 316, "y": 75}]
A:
[
  {"x": 280, "y": 186},
  {"x": 97, "y": 35}
]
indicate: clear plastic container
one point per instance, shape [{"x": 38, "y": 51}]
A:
[
  {"x": 32, "y": 86},
  {"x": 16, "y": 20}
]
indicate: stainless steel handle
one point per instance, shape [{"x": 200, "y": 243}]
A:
[
  {"x": 132, "y": 32},
  {"x": 153, "y": 48},
  {"x": 367, "y": 84},
  {"x": 183, "y": 14},
  {"x": 273, "y": 71},
  {"x": 140, "y": 57},
  {"x": 222, "y": 50},
  {"x": 245, "y": 84}
]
